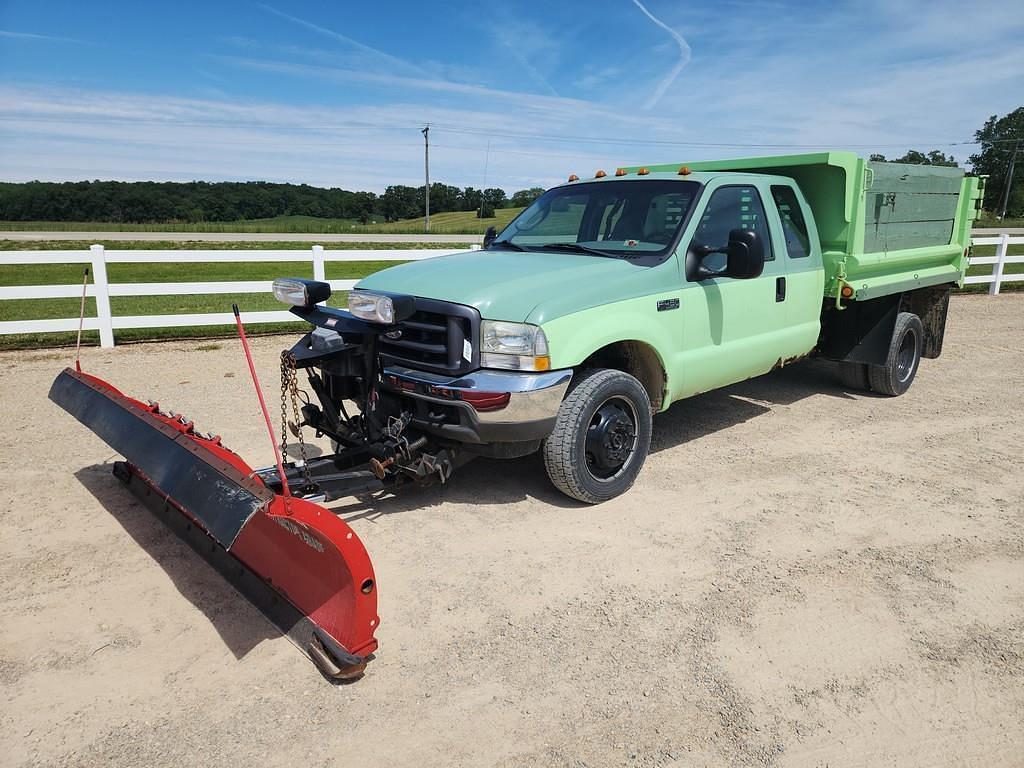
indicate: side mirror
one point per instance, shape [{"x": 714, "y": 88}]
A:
[
  {"x": 490, "y": 236},
  {"x": 744, "y": 255}
]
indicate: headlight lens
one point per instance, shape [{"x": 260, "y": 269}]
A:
[
  {"x": 371, "y": 307},
  {"x": 513, "y": 346}
]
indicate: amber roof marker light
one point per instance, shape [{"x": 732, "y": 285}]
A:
[
  {"x": 684, "y": 170},
  {"x": 573, "y": 177},
  {"x": 600, "y": 175},
  {"x": 642, "y": 172},
  {"x": 620, "y": 171}
]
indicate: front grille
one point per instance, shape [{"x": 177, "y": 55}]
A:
[{"x": 434, "y": 337}]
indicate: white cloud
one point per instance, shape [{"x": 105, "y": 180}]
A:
[
  {"x": 33, "y": 36},
  {"x": 681, "y": 61}
]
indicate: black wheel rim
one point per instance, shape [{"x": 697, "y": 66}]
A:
[
  {"x": 906, "y": 358},
  {"x": 611, "y": 438}
]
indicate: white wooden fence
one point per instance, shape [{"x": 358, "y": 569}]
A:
[
  {"x": 102, "y": 289},
  {"x": 1002, "y": 241}
]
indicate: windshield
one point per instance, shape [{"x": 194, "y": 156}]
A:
[{"x": 629, "y": 218}]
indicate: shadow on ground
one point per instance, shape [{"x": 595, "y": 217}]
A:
[
  {"x": 240, "y": 624},
  {"x": 490, "y": 481}
]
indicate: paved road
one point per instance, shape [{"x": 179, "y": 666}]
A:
[{"x": 228, "y": 237}]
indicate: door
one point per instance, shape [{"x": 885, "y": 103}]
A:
[
  {"x": 732, "y": 328},
  {"x": 797, "y": 239}
]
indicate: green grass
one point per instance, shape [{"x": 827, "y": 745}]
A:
[
  {"x": 455, "y": 223},
  {"x": 994, "y": 223}
]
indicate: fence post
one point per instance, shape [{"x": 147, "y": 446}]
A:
[
  {"x": 997, "y": 270},
  {"x": 319, "y": 273},
  {"x": 99, "y": 280}
]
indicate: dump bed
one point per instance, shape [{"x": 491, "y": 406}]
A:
[{"x": 883, "y": 227}]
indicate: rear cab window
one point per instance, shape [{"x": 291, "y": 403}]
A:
[{"x": 794, "y": 227}]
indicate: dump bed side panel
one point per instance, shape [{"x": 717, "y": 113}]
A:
[{"x": 910, "y": 206}]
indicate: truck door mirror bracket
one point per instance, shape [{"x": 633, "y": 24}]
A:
[{"x": 490, "y": 236}]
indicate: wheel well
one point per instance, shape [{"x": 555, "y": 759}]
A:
[{"x": 639, "y": 360}]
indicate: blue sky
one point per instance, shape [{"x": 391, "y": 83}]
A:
[{"x": 518, "y": 94}]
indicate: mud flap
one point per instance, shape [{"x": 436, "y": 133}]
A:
[{"x": 297, "y": 562}]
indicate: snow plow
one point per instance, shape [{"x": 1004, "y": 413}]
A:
[{"x": 264, "y": 529}]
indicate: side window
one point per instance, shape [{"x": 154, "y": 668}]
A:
[
  {"x": 731, "y": 208},
  {"x": 798, "y": 243}
]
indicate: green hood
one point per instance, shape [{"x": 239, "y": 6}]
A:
[{"x": 524, "y": 286}]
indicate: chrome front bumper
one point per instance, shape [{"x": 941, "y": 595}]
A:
[{"x": 533, "y": 402}]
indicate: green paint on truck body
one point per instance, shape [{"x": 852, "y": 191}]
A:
[{"x": 724, "y": 329}]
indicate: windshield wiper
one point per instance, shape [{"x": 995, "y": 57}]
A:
[
  {"x": 575, "y": 248},
  {"x": 507, "y": 244}
]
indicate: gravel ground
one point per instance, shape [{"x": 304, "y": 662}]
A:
[{"x": 802, "y": 576}]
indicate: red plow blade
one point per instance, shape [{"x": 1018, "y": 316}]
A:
[{"x": 296, "y": 561}]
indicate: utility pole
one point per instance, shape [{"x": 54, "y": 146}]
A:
[
  {"x": 1009, "y": 181},
  {"x": 487, "y": 160},
  {"x": 426, "y": 174}
]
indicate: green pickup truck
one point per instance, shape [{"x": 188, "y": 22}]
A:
[{"x": 610, "y": 298}]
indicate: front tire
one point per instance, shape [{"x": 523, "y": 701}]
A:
[
  {"x": 896, "y": 375},
  {"x": 601, "y": 437}
]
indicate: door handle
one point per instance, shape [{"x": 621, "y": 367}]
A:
[{"x": 780, "y": 289}]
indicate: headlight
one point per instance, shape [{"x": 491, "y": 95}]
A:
[
  {"x": 515, "y": 346},
  {"x": 371, "y": 307},
  {"x": 299, "y": 292}
]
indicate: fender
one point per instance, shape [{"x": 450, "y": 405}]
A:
[{"x": 575, "y": 337}]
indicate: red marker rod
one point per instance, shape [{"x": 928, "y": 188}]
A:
[
  {"x": 263, "y": 406},
  {"x": 81, "y": 322}
]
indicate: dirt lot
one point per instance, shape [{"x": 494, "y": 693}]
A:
[{"x": 801, "y": 577}]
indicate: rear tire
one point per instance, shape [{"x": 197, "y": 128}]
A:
[
  {"x": 601, "y": 437},
  {"x": 854, "y": 375},
  {"x": 896, "y": 375}
]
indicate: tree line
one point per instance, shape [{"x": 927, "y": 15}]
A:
[{"x": 198, "y": 201}]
